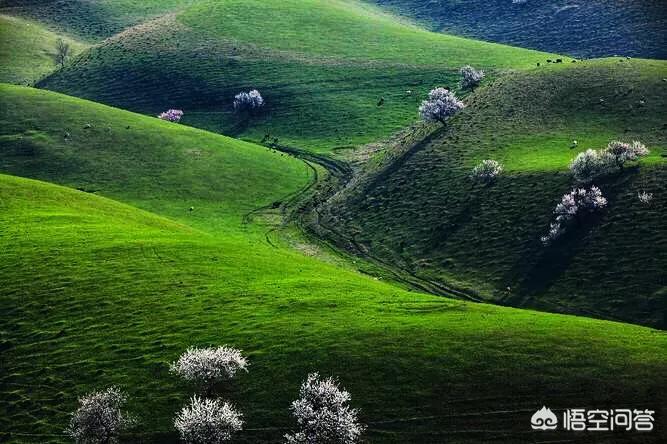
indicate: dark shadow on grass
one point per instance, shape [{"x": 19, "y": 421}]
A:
[
  {"x": 458, "y": 221},
  {"x": 554, "y": 259}
]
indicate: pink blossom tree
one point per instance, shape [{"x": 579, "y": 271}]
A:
[
  {"x": 172, "y": 115},
  {"x": 573, "y": 206},
  {"x": 440, "y": 106}
]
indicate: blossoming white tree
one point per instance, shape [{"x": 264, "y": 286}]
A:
[
  {"x": 323, "y": 415},
  {"x": 572, "y": 207},
  {"x": 208, "y": 421},
  {"x": 470, "y": 77},
  {"x": 486, "y": 171},
  {"x": 99, "y": 418},
  {"x": 626, "y": 152},
  {"x": 591, "y": 164},
  {"x": 250, "y": 101},
  {"x": 645, "y": 197},
  {"x": 441, "y": 105},
  {"x": 209, "y": 366}
]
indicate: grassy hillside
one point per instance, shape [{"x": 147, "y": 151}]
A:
[
  {"x": 593, "y": 28},
  {"x": 91, "y": 20},
  {"x": 27, "y": 50},
  {"x": 333, "y": 73},
  {"x": 425, "y": 214},
  {"x": 94, "y": 293},
  {"x": 157, "y": 165}
]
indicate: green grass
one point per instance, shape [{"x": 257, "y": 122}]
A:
[
  {"x": 595, "y": 28},
  {"x": 94, "y": 292},
  {"x": 487, "y": 239},
  {"x": 160, "y": 166},
  {"x": 323, "y": 67},
  {"x": 27, "y": 50},
  {"x": 91, "y": 20},
  {"x": 101, "y": 294},
  {"x": 346, "y": 29}
]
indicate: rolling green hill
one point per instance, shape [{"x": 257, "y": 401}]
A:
[
  {"x": 94, "y": 292},
  {"x": 593, "y": 28},
  {"x": 27, "y": 50},
  {"x": 424, "y": 213},
  {"x": 334, "y": 73},
  {"x": 159, "y": 166},
  {"x": 91, "y": 20}
]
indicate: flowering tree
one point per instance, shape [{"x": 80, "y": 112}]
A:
[
  {"x": 172, "y": 115},
  {"x": 486, "y": 171},
  {"x": 208, "y": 421},
  {"x": 322, "y": 414},
  {"x": 626, "y": 152},
  {"x": 441, "y": 105},
  {"x": 99, "y": 418},
  {"x": 571, "y": 208},
  {"x": 591, "y": 164},
  {"x": 470, "y": 77},
  {"x": 645, "y": 197},
  {"x": 208, "y": 366},
  {"x": 248, "y": 101}
]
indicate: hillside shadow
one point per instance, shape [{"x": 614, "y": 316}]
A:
[
  {"x": 552, "y": 261},
  {"x": 453, "y": 224}
]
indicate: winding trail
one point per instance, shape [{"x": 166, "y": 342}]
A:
[{"x": 305, "y": 209}]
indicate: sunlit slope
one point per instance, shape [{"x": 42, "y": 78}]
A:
[
  {"x": 593, "y": 28},
  {"x": 160, "y": 166},
  {"x": 96, "y": 293},
  {"x": 426, "y": 214},
  {"x": 91, "y": 20},
  {"x": 27, "y": 50},
  {"x": 333, "y": 73}
]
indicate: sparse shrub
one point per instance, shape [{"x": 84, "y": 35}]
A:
[
  {"x": 470, "y": 77},
  {"x": 99, "y": 419},
  {"x": 591, "y": 164},
  {"x": 250, "y": 101},
  {"x": 209, "y": 366},
  {"x": 441, "y": 105},
  {"x": 645, "y": 197},
  {"x": 322, "y": 414},
  {"x": 172, "y": 115},
  {"x": 571, "y": 208},
  {"x": 486, "y": 171},
  {"x": 207, "y": 421},
  {"x": 626, "y": 152},
  {"x": 63, "y": 52}
]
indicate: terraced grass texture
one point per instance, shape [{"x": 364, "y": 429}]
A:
[
  {"x": 593, "y": 28},
  {"x": 94, "y": 292},
  {"x": 91, "y": 21},
  {"x": 426, "y": 214},
  {"x": 334, "y": 73}
]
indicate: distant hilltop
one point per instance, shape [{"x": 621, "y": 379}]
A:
[{"x": 591, "y": 28}]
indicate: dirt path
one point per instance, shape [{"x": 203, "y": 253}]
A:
[{"x": 306, "y": 210}]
